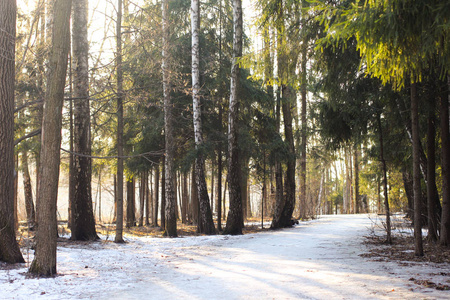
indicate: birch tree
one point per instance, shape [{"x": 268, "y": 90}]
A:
[
  {"x": 170, "y": 205},
  {"x": 205, "y": 223}
]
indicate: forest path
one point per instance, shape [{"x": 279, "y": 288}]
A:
[{"x": 317, "y": 259}]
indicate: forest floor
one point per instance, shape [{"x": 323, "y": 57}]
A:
[{"x": 333, "y": 257}]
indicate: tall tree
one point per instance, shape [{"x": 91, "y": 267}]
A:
[
  {"x": 44, "y": 262},
  {"x": 418, "y": 243},
  {"x": 235, "y": 218},
  {"x": 398, "y": 41},
  {"x": 303, "y": 129},
  {"x": 170, "y": 207},
  {"x": 83, "y": 222},
  {"x": 9, "y": 249},
  {"x": 119, "y": 195},
  {"x": 205, "y": 223},
  {"x": 431, "y": 169},
  {"x": 445, "y": 157}
]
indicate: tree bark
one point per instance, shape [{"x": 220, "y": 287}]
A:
[
  {"x": 445, "y": 140},
  {"x": 205, "y": 223},
  {"x": 194, "y": 197},
  {"x": 44, "y": 263},
  {"x": 284, "y": 210},
  {"x": 385, "y": 185},
  {"x": 149, "y": 198},
  {"x": 409, "y": 191},
  {"x": 142, "y": 196},
  {"x": 431, "y": 169},
  {"x": 234, "y": 220},
  {"x": 303, "y": 133},
  {"x": 185, "y": 199},
  {"x": 418, "y": 243},
  {"x": 119, "y": 198},
  {"x": 156, "y": 197},
  {"x": 83, "y": 221},
  {"x": 219, "y": 185},
  {"x": 358, "y": 206},
  {"x": 131, "y": 203},
  {"x": 28, "y": 193},
  {"x": 170, "y": 207},
  {"x": 9, "y": 248}
]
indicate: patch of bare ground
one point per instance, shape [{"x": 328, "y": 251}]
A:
[
  {"x": 402, "y": 251},
  {"x": 26, "y": 237}
]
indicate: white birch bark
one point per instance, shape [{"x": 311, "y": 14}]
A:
[{"x": 205, "y": 222}]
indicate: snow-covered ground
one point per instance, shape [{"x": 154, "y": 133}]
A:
[{"x": 314, "y": 260}]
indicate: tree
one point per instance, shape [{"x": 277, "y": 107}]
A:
[
  {"x": 119, "y": 195},
  {"x": 205, "y": 223},
  {"x": 170, "y": 207},
  {"x": 445, "y": 157},
  {"x": 44, "y": 262},
  {"x": 398, "y": 41},
  {"x": 83, "y": 222},
  {"x": 235, "y": 218},
  {"x": 418, "y": 246},
  {"x": 9, "y": 248}
]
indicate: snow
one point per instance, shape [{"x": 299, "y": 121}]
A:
[{"x": 317, "y": 259}]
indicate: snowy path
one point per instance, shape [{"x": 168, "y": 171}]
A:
[{"x": 314, "y": 260}]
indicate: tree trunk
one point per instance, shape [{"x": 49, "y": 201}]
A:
[
  {"x": 194, "y": 197},
  {"x": 358, "y": 206},
  {"x": 119, "y": 197},
  {"x": 303, "y": 134},
  {"x": 431, "y": 167},
  {"x": 83, "y": 221},
  {"x": 131, "y": 203},
  {"x": 149, "y": 197},
  {"x": 219, "y": 185},
  {"x": 100, "y": 195},
  {"x": 264, "y": 191},
  {"x": 44, "y": 262},
  {"x": 205, "y": 223},
  {"x": 9, "y": 248},
  {"x": 170, "y": 228},
  {"x": 244, "y": 186},
  {"x": 142, "y": 194},
  {"x": 28, "y": 193},
  {"x": 284, "y": 210},
  {"x": 409, "y": 191},
  {"x": 156, "y": 197},
  {"x": 185, "y": 199},
  {"x": 234, "y": 219},
  {"x": 423, "y": 158},
  {"x": 418, "y": 244},
  {"x": 445, "y": 140},
  {"x": 385, "y": 185}
]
